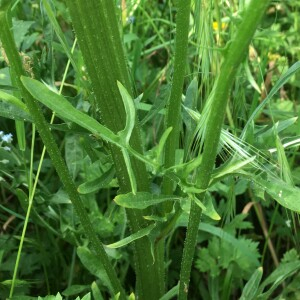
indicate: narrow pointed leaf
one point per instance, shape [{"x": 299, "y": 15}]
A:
[
  {"x": 130, "y": 171},
  {"x": 142, "y": 200},
  {"x": 278, "y": 126},
  {"x": 130, "y": 113},
  {"x": 251, "y": 287},
  {"x": 210, "y": 210},
  {"x": 96, "y": 291},
  {"x": 65, "y": 110},
  {"x": 281, "y": 273},
  {"x": 13, "y": 100},
  {"x": 230, "y": 168},
  {"x": 171, "y": 293},
  {"x": 11, "y": 111},
  {"x": 162, "y": 143},
  {"x": 97, "y": 183},
  {"x": 137, "y": 235},
  {"x": 282, "y": 80},
  {"x": 8, "y": 87}
]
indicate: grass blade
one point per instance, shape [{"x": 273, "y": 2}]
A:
[
  {"x": 251, "y": 287},
  {"x": 282, "y": 80}
]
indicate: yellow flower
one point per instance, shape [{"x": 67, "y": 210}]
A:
[{"x": 216, "y": 26}]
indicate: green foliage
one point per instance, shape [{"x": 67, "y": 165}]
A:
[
  {"x": 219, "y": 254},
  {"x": 169, "y": 126},
  {"x": 251, "y": 287}
]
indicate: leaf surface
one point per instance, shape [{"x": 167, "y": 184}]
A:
[
  {"x": 137, "y": 235},
  {"x": 66, "y": 110},
  {"x": 285, "y": 194},
  {"x": 142, "y": 200}
]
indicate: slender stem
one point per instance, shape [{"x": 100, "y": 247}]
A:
[
  {"x": 235, "y": 54},
  {"x": 30, "y": 202},
  {"x": 266, "y": 233},
  {"x": 173, "y": 116},
  {"x": 54, "y": 153},
  {"x": 173, "y": 112}
]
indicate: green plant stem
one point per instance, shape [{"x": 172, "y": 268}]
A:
[
  {"x": 53, "y": 151},
  {"x": 235, "y": 54},
  {"x": 97, "y": 29},
  {"x": 173, "y": 117},
  {"x": 30, "y": 202}
]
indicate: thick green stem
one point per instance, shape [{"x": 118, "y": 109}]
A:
[
  {"x": 236, "y": 52},
  {"x": 53, "y": 150},
  {"x": 97, "y": 29}
]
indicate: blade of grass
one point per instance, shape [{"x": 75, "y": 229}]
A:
[
  {"x": 250, "y": 289},
  {"x": 282, "y": 80}
]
